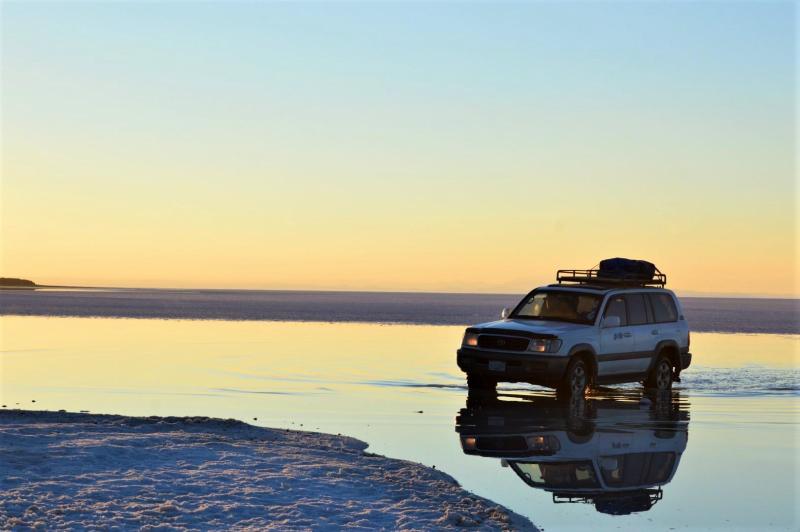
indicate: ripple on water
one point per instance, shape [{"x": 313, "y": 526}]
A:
[{"x": 746, "y": 381}]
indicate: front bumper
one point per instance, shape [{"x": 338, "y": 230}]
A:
[{"x": 519, "y": 367}]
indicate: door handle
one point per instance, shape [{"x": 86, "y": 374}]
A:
[
  {"x": 654, "y": 331},
  {"x": 627, "y": 335}
]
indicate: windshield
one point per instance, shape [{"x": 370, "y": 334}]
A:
[
  {"x": 557, "y": 305},
  {"x": 554, "y": 475},
  {"x": 637, "y": 469}
]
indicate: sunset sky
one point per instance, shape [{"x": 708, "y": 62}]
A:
[{"x": 441, "y": 147}]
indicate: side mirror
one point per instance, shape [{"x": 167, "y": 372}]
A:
[
  {"x": 611, "y": 321},
  {"x": 506, "y": 312}
]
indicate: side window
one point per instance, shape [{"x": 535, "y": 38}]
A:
[
  {"x": 616, "y": 307},
  {"x": 663, "y": 307},
  {"x": 661, "y": 465},
  {"x": 637, "y": 310}
]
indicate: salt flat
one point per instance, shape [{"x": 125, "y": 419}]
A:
[
  {"x": 93, "y": 471},
  {"x": 733, "y": 315}
]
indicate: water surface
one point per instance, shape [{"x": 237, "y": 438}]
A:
[{"x": 397, "y": 387}]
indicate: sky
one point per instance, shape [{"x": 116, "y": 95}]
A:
[{"x": 460, "y": 147}]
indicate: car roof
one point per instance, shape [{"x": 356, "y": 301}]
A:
[
  {"x": 604, "y": 288},
  {"x": 581, "y": 288}
]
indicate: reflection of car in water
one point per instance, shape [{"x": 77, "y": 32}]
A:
[{"x": 615, "y": 453}]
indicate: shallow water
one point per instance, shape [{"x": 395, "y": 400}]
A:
[{"x": 732, "y": 423}]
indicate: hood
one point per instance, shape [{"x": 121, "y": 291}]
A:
[{"x": 533, "y": 326}]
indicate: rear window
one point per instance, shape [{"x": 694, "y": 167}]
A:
[
  {"x": 637, "y": 309},
  {"x": 663, "y": 307}
]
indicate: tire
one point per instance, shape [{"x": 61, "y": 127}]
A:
[
  {"x": 479, "y": 382},
  {"x": 576, "y": 379},
  {"x": 661, "y": 377},
  {"x": 580, "y": 436},
  {"x": 579, "y": 428},
  {"x": 666, "y": 431}
]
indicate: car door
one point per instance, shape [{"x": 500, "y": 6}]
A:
[
  {"x": 616, "y": 343},
  {"x": 640, "y": 323}
]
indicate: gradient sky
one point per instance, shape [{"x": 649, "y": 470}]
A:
[{"x": 410, "y": 146}]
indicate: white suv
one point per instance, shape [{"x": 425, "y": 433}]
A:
[
  {"x": 593, "y": 327},
  {"x": 614, "y": 453}
]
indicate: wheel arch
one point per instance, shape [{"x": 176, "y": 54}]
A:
[
  {"x": 671, "y": 349},
  {"x": 588, "y": 353}
]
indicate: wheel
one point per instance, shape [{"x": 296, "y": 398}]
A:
[
  {"x": 579, "y": 428},
  {"x": 661, "y": 376},
  {"x": 666, "y": 431},
  {"x": 576, "y": 379},
  {"x": 581, "y": 435},
  {"x": 479, "y": 382}
]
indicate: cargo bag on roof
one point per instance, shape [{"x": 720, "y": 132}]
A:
[{"x": 619, "y": 268}]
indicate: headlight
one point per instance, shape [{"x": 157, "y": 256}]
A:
[
  {"x": 544, "y": 346},
  {"x": 543, "y": 443},
  {"x": 470, "y": 339}
]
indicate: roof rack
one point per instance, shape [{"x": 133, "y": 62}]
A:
[
  {"x": 614, "y": 503},
  {"x": 592, "y": 276}
]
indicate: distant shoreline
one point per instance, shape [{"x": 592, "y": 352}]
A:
[
  {"x": 728, "y": 315},
  {"x": 37, "y": 286}
]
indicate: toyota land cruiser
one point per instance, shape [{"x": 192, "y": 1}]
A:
[
  {"x": 614, "y": 452},
  {"x": 609, "y": 325}
]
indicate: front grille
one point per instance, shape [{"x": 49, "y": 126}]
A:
[
  {"x": 506, "y": 343},
  {"x": 509, "y": 363},
  {"x": 502, "y": 443}
]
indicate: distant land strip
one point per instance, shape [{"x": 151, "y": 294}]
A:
[
  {"x": 17, "y": 283},
  {"x": 14, "y": 282}
]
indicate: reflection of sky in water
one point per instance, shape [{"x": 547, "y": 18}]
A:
[{"x": 372, "y": 381}]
